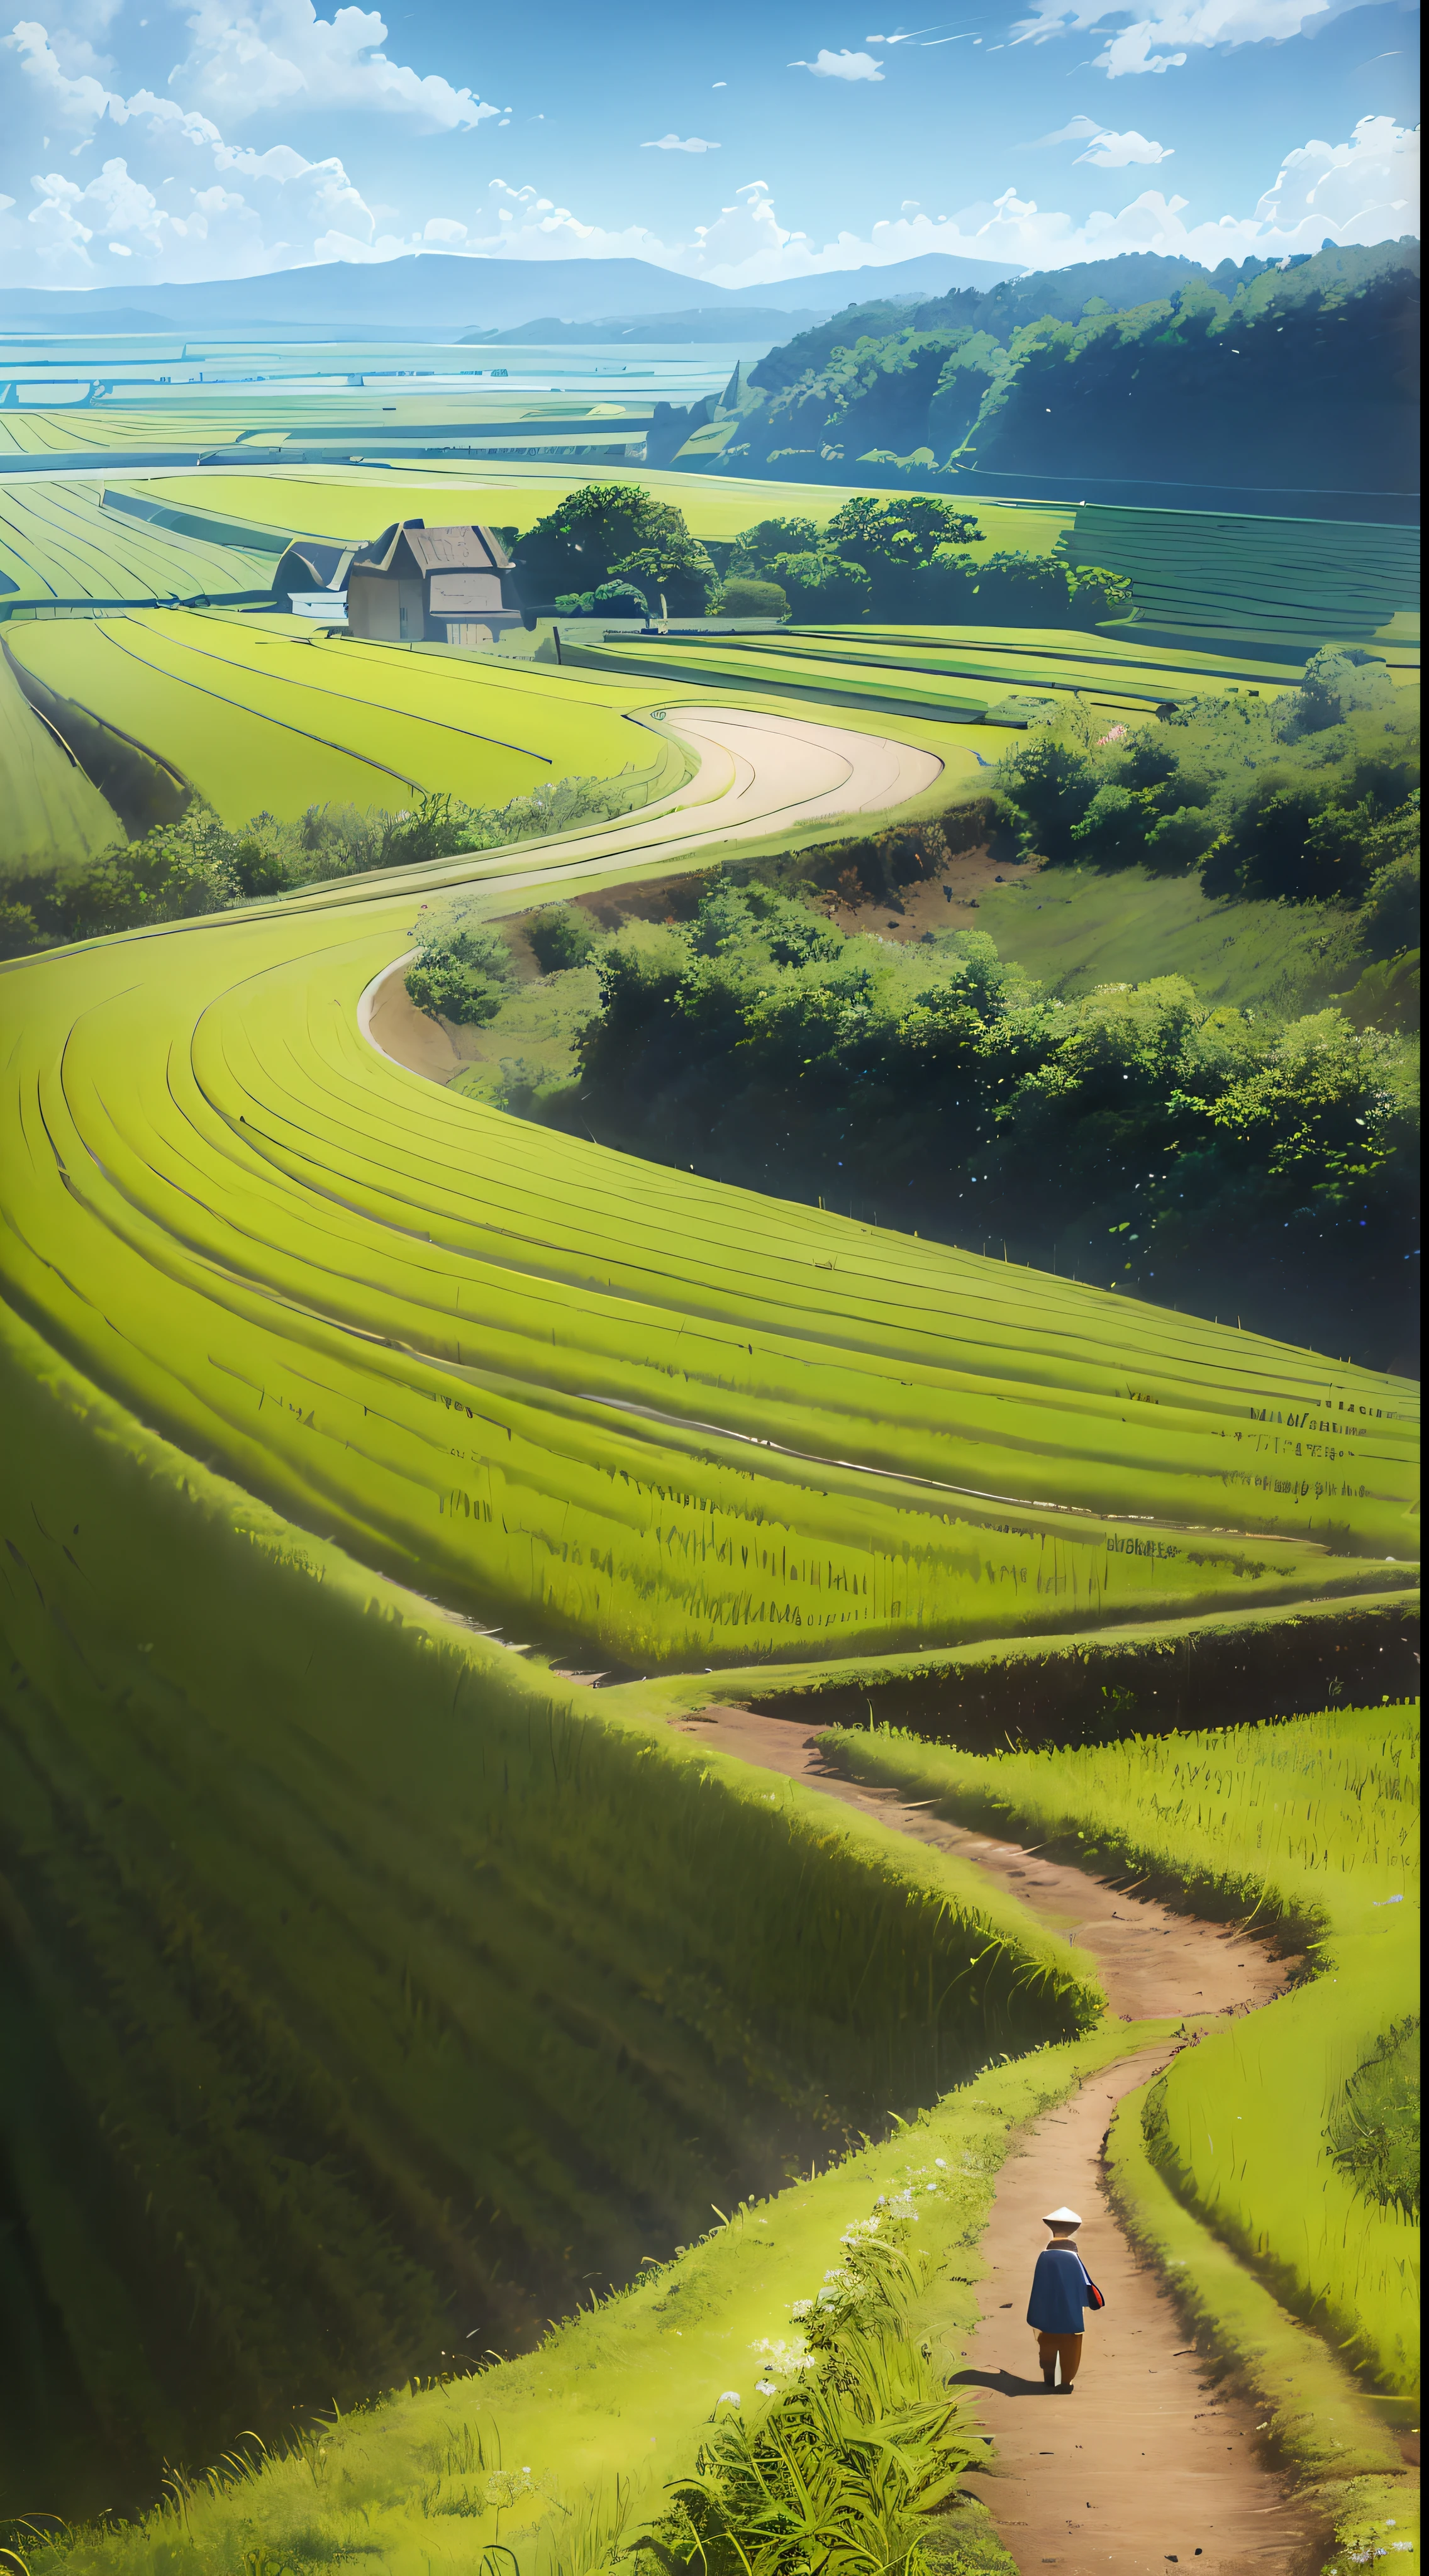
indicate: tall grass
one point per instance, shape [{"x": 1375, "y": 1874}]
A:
[
  {"x": 374, "y": 1984},
  {"x": 1311, "y": 1824}
]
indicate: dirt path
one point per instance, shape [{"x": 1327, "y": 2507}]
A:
[
  {"x": 765, "y": 771},
  {"x": 1144, "y": 2465}
]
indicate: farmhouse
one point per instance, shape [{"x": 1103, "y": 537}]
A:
[{"x": 416, "y": 584}]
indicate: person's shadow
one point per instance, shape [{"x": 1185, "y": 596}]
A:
[{"x": 1004, "y": 2383}]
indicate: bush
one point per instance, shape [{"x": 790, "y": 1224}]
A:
[
  {"x": 464, "y": 972},
  {"x": 1391, "y": 911},
  {"x": 744, "y": 596},
  {"x": 561, "y": 936},
  {"x": 19, "y": 930},
  {"x": 823, "y": 587}
]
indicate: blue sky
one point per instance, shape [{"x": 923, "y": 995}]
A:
[{"x": 227, "y": 137}]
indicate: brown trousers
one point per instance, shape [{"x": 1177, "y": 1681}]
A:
[{"x": 1064, "y": 2348}]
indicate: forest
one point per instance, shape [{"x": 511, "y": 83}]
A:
[{"x": 1294, "y": 376}]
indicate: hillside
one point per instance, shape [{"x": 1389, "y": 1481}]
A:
[{"x": 1294, "y": 378}]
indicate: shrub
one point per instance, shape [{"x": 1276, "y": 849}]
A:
[
  {"x": 744, "y": 596},
  {"x": 19, "y": 930},
  {"x": 561, "y": 935},
  {"x": 823, "y": 586}
]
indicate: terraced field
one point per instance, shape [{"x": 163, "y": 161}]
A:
[
  {"x": 382, "y": 1986},
  {"x": 275, "y": 715},
  {"x": 593, "y": 1400},
  {"x": 947, "y": 673},
  {"x": 60, "y": 545},
  {"x": 1289, "y": 582},
  {"x": 342, "y": 501}
]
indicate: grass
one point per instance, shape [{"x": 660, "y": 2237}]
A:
[
  {"x": 51, "y": 810},
  {"x": 582, "y": 2436},
  {"x": 1200, "y": 573},
  {"x": 1321, "y": 2426},
  {"x": 59, "y": 544},
  {"x": 345, "y": 501},
  {"x": 1313, "y": 1823},
  {"x": 1075, "y": 928},
  {"x": 256, "y": 715},
  {"x": 359, "y": 2117},
  {"x": 551, "y": 1400}
]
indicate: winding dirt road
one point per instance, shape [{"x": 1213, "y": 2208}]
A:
[
  {"x": 758, "y": 772},
  {"x": 1146, "y": 2464}
]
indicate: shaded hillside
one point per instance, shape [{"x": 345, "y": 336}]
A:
[{"x": 1300, "y": 376}]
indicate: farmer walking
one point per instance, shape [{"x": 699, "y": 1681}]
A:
[{"x": 1061, "y": 2288}]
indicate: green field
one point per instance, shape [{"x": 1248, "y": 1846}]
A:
[
  {"x": 617, "y": 1338},
  {"x": 1289, "y": 581},
  {"x": 1314, "y": 1824},
  {"x": 384, "y": 1990},
  {"x": 60, "y": 544},
  {"x": 275, "y": 715},
  {"x": 953, "y": 674},
  {"x": 1076, "y": 928}
]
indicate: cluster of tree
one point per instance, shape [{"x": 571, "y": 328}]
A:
[
  {"x": 462, "y": 972},
  {"x": 1307, "y": 796},
  {"x": 201, "y": 864},
  {"x": 1137, "y": 1137},
  {"x": 1268, "y": 375},
  {"x": 609, "y": 550},
  {"x": 905, "y": 560},
  {"x": 611, "y": 542}
]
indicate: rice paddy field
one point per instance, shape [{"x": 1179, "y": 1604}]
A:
[
  {"x": 390, "y": 1977},
  {"x": 1313, "y": 1823},
  {"x": 67, "y": 544},
  {"x": 278, "y": 715},
  {"x": 1277, "y": 582}
]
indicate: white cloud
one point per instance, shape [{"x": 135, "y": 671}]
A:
[
  {"x": 1105, "y": 149},
  {"x": 441, "y": 229},
  {"x": 281, "y": 54},
  {"x": 1116, "y": 151},
  {"x": 121, "y": 250},
  {"x": 1145, "y": 45},
  {"x": 842, "y": 66},
  {"x": 672, "y": 143}
]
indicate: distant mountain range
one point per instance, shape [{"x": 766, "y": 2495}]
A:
[{"x": 434, "y": 291}]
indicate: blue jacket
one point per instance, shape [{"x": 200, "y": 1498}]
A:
[{"x": 1059, "y": 2291}]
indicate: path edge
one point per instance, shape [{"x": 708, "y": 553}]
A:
[{"x": 1320, "y": 2428}]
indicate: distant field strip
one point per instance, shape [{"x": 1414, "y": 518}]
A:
[
  {"x": 272, "y": 715},
  {"x": 951, "y": 672},
  {"x": 405, "y": 1319},
  {"x": 346, "y": 501},
  {"x": 1226, "y": 575},
  {"x": 57, "y": 543}
]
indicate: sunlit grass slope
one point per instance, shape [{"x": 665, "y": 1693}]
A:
[
  {"x": 272, "y": 715},
  {"x": 617, "y": 1405},
  {"x": 1315, "y": 1823},
  {"x": 376, "y": 1989},
  {"x": 346, "y": 501},
  {"x": 50, "y": 809},
  {"x": 954, "y": 673},
  {"x": 59, "y": 543}
]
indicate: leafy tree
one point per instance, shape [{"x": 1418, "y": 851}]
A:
[
  {"x": 824, "y": 588},
  {"x": 463, "y": 972},
  {"x": 19, "y": 930},
  {"x": 1335, "y": 683},
  {"x": 561, "y": 936},
  {"x": 743, "y": 596},
  {"x": 756, "y": 548},
  {"x": 1391, "y": 913},
  {"x": 614, "y": 531}
]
